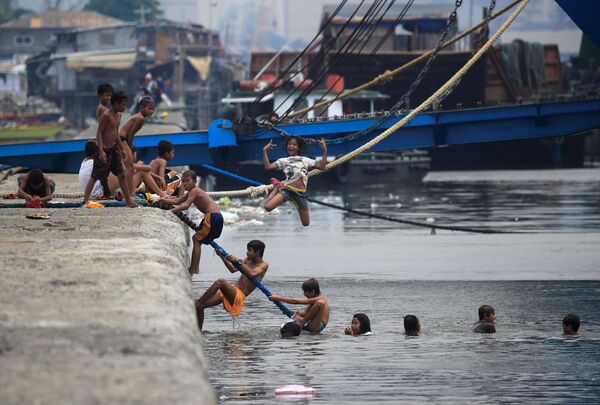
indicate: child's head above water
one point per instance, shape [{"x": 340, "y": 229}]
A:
[
  {"x": 412, "y": 327},
  {"x": 361, "y": 324},
  {"x": 571, "y": 324},
  {"x": 311, "y": 288},
  {"x": 487, "y": 313},
  {"x": 290, "y": 329},
  {"x": 294, "y": 145}
]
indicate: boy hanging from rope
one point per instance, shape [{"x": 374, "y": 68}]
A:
[
  {"x": 233, "y": 295},
  {"x": 295, "y": 168},
  {"x": 212, "y": 223}
]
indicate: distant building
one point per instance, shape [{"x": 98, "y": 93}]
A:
[
  {"x": 185, "y": 59},
  {"x": 35, "y": 33}
]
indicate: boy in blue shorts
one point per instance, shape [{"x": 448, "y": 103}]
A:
[{"x": 211, "y": 225}]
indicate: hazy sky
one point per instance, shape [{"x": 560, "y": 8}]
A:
[{"x": 542, "y": 20}]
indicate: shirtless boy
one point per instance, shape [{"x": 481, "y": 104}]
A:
[
  {"x": 35, "y": 187},
  {"x": 233, "y": 295},
  {"x": 105, "y": 92},
  {"x": 168, "y": 180},
  {"x": 128, "y": 131},
  {"x": 316, "y": 316},
  {"x": 110, "y": 148},
  {"x": 211, "y": 225}
]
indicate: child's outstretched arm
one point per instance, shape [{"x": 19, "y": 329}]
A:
[
  {"x": 226, "y": 261},
  {"x": 290, "y": 300},
  {"x": 266, "y": 148},
  {"x": 322, "y": 165},
  {"x": 185, "y": 204},
  {"x": 173, "y": 200}
]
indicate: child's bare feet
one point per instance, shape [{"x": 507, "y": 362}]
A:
[{"x": 132, "y": 204}]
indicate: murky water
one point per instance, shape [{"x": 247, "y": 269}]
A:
[{"x": 388, "y": 270}]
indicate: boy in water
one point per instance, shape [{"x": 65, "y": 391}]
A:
[
  {"x": 128, "y": 131},
  {"x": 412, "y": 326},
  {"x": 360, "y": 326},
  {"x": 487, "y": 317},
  {"x": 168, "y": 180},
  {"x": 290, "y": 329},
  {"x": 105, "y": 92},
  {"x": 211, "y": 225},
  {"x": 110, "y": 148},
  {"x": 35, "y": 187},
  {"x": 316, "y": 316},
  {"x": 233, "y": 295},
  {"x": 295, "y": 168},
  {"x": 571, "y": 325}
]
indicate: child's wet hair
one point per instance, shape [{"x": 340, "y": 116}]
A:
[
  {"x": 188, "y": 173},
  {"x": 300, "y": 141},
  {"x": 36, "y": 177},
  {"x": 311, "y": 285},
  {"x": 485, "y": 311},
  {"x": 365, "y": 322},
  {"x": 164, "y": 147},
  {"x": 105, "y": 88},
  {"x": 146, "y": 101},
  {"x": 118, "y": 96},
  {"x": 411, "y": 325},
  {"x": 292, "y": 328},
  {"x": 91, "y": 148},
  {"x": 573, "y": 321},
  {"x": 257, "y": 246}
]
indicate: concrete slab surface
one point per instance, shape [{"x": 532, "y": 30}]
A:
[{"x": 96, "y": 307}]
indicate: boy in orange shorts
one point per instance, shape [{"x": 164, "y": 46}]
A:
[{"x": 232, "y": 296}]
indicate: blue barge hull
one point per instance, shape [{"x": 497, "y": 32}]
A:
[{"x": 426, "y": 130}]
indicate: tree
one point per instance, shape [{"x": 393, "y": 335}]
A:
[
  {"x": 7, "y": 12},
  {"x": 124, "y": 9}
]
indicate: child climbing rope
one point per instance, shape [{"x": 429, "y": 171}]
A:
[{"x": 295, "y": 168}]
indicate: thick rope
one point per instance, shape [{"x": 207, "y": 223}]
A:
[
  {"x": 433, "y": 227},
  {"x": 425, "y": 104},
  {"x": 389, "y": 74}
]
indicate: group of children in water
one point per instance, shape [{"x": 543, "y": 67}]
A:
[{"x": 111, "y": 161}]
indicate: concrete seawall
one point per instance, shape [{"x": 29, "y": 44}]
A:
[{"x": 96, "y": 307}]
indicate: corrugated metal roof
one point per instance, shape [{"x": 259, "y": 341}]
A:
[{"x": 61, "y": 19}]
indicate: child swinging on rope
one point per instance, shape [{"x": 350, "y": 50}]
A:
[
  {"x": 233, "y": 295},
  {"x": 295, "y": 168},
  {"x": 212, "y": 224}
]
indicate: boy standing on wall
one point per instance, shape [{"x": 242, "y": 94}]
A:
[{"x": 110, "y": 148}]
